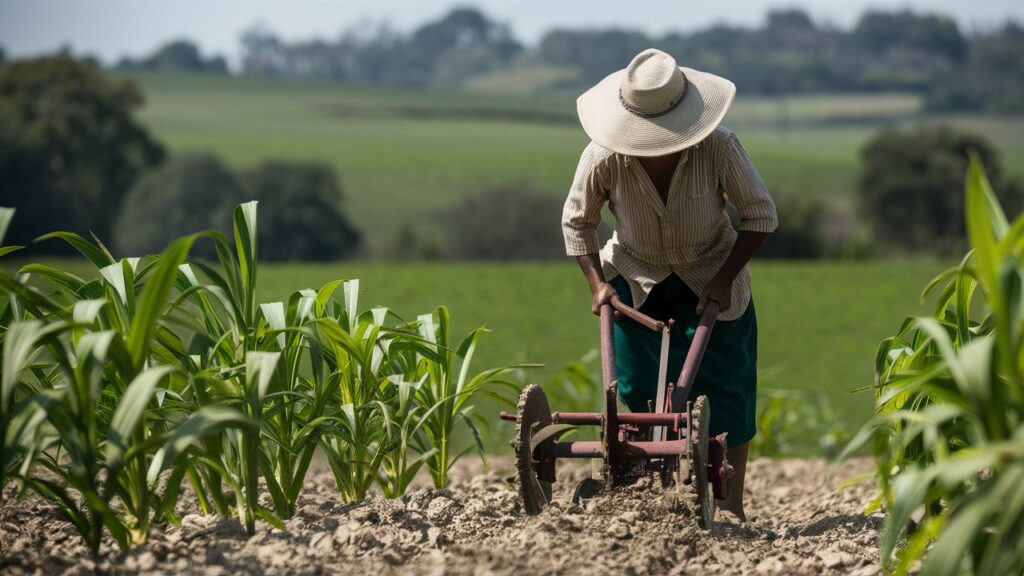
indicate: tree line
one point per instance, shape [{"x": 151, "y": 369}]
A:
[{"x": 788, "y": 54}]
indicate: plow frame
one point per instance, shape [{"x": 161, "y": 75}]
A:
[{"x": 625, "y": 446}]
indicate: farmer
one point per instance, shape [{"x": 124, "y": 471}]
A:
[{"x": 665, "y": 167}]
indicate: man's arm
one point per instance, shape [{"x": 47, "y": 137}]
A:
[
  {"x": 720, "y": 287},
  {"x": 600, "y": 289}
]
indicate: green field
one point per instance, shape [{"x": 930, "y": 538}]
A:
[
  {"x": 405, "y": 155},
  {"x": 819, "y": 323}
]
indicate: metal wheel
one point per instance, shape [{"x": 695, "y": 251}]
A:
[
  {"x": 534, "y": 414},
  {"x": 697, "y": 454}
]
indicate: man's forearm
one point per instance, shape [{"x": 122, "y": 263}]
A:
[
  {"x": 590, "y": 265},
  {"x": 747, "y": 244}
]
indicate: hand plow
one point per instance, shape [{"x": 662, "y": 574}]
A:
[{"x": 671, "y": 440}]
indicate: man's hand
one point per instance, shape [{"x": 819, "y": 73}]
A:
[
  {"x": 719, "y": 291},
  {"x": 603, "y": 293}
]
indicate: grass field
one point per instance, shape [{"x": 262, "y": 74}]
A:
[
  {"x": 404, "y": 155},
  {"x": 819, "y": 323}
]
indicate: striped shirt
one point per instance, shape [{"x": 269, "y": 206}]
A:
[{"x": 689, "y": 234}]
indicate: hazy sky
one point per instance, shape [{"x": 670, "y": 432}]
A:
[{"x": 112, "y": 28}]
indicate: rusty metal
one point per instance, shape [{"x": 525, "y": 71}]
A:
[
  {"x": 700, "y": 463},
  {"x": 701, "y": 337},
  {"x": 626, "y": 446},
  {"x": 672, "y": 419},
  {"x": 535, "y": 476},
  {"x": 719, "y": 470},
  {"x": 636, "y": 316},
  {"x": 627, "y": 449}
]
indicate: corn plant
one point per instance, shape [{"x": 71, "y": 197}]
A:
[
  {"x": 355, "y": 348},
  {"x": 447, "y": 389},
  {"x": 13, "y": 415},
  {"x": 402, "y": 463},
  {"x": 99, "y": 422},
  {"x": 948, "y": 435},
  {"x": 787, "y": 420},
  {"x": 245, "y": 357},
  {"x": 115, "y": 390}
]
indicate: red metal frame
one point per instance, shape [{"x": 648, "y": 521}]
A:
[{"x": 614, "y": 448}]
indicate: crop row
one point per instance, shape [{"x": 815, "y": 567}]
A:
[
  {"x": 948, "y": 434},
  {"x": 165, "y": 371}
]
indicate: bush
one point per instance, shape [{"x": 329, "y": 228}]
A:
[
  {"x": 303, "y": 219},
  {"x": 302, "y": 215},
  {"x": 505, "y": 223},
  {"x": 70, "y": 148},
  {"x": 911, "y": 187},
  {"x": 799, "y": 232},
  {"x": 191, "y": 192}
]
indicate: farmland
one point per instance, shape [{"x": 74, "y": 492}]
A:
[
  {"x": 315, "y": 413},
  {"x": 819, "y": 322},
  {"x": 405, "y": 155}
]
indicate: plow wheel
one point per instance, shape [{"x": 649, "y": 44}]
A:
[
  {"x": 697, "y": 453},
  {"x": 534, "y": 414}
]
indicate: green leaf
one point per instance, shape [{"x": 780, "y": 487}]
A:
[
  {"x": 95, "y": 254},
  {"x": 61, "y": 278},
  {"x": 115, "y": 277},
  {"x": 983, "y": 224},
  {"x": 6, "y": 215},
  {"x": 154, "y": 298},
  {"x": 20, "y": 348},
  {"x": 130, "y": 410},
  {"x": 245, "y": 245},
  {"x": 259, "y": 370},
  {"x": 324, "y": 294},
  {"x": 205, "y": 421}
]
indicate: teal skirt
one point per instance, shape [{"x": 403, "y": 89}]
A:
[{"x": 727, "y": 375}]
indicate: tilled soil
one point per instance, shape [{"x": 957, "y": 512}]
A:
[{"x": 799, "y": 523}]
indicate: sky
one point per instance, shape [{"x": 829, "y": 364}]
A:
[{"x": 111, "y": 29}]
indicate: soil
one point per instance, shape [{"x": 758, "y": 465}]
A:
[{"x": 799, "y": 523}]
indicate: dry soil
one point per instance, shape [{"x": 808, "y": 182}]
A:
[{"x": 800, "y": 523}]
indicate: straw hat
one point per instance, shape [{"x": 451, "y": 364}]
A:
[{"x": 654, "y": 107}]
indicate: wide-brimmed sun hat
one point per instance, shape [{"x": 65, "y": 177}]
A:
[{"x": 654, "y": 107}]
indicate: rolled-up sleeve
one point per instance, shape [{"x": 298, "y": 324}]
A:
[
  {"x": 743, "y": 186},
  {"x": 582, "y": 211}
]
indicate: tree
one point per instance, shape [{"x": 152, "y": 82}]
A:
[
  {"x": 189, "y": 193},
  {"x": 70, "y": 147},
  {"x": 994, "y": 76},
  {"x": 911, "y": 186},
  {"x": 178, "y": 56},
  {"x": 505, "y": 223},
  {"x": 301, "y": 215},
  {"x": 597, "y": 52},
  {"x": 462, "y": 43},
  {"x": 878, "y": 32}
]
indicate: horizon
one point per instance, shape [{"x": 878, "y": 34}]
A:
[{"x": 112, "y": 29}]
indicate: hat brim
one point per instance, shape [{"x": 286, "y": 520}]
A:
[{"x": 608, "y": 123}]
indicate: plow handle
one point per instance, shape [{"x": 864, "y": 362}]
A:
[
  {"x": 700, "y": 343},
  {"x": 635, "y": 315}
]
